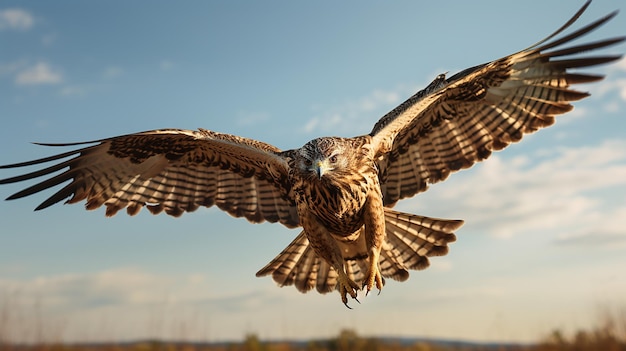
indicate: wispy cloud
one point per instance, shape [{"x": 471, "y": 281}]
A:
[
  {"x": 16, "y": 19},
  {"x": 596, "y": 238},
  {"x": 615, "y": 81},
  {"x": 343, "y": 117},
  {"x": 551, "y": 190},
  {"x": 42, "y": 300},
  {"x": 613, "y": 85},
  {"x": 620, "y": 65},
  {"x": 150, "y": 301},
  {"x": 119, "y": 286},
  {"x": 40, "y": 73},
  {"x": 89, "y": 290}
]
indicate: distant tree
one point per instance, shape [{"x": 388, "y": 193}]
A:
[
  {"x": 313, "y": 345},
  {"x": 346, "y": 341},
  {"x": 421, "y": 346},
  {"x": 252, "y": 343}
]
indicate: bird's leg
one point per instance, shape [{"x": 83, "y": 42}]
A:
[
  {"x": 374, "y": 238},
  {"x": 326, "y": 247},
  {"x": 373, "y": 275},
  {"x": 346, "y": 287}
]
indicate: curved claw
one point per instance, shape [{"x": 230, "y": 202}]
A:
[
  {"x": 347, "y": 287},
  {"x": 373, "y": 278},
  {"x": 346, "y": 302}
]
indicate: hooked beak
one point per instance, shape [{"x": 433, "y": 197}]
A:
[{"x": 320, "y": 168}]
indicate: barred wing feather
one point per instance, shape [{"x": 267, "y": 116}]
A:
[
  {"x": 458, "y": 121},
  {"x": 171, "y": 170}
]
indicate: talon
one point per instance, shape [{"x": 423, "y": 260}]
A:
[
  {"x": 344, "y": 298},
  {"x": 346, "y": 301},
  {"x": 373, "y": 278},
  {"x": 346, "y": 287}
]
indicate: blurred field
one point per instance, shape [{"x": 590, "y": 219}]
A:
[
  {"x": 24, "y": 331},
  {"x": 609, "y": 334}
]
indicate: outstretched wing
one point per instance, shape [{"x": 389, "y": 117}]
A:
[
  {"x": 458, "y": 121},
  {"x": 173, "y": 171}
]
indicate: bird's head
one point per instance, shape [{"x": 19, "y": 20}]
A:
[{"x": 323, "y": 158}]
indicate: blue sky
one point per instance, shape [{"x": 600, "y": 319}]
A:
[{"x": 542, "y": 247}]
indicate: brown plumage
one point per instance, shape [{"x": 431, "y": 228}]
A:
[{"x": 339, "y": 190}]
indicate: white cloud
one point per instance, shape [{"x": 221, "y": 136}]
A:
[
  {"x": 41, "y": 73},
  {"x": 17, "y": 19},
  {"x": 615, "y": 81},
  {"x": 620, "y": 65},
  {"x": 88, "y": 291},
  {"x": 342, "y": 118},
  {"x": 571, "y": 192},
  {"x": 362, "y": 112},
  {"x": 612, "y": 85},
  {"x": 621, "y": 86},
  {"x": 603, "y": 228},
  {"x": 151, "y": 303},
  {"x": 119, "y": 286}
]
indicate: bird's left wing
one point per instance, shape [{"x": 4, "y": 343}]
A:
[
  {"x": 170, "y": 170},
  {"x": 455, "y": 122}
]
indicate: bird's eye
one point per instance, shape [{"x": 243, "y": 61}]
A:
[
  {"x": 307, "y": 162},
  {"x": 332, "y": 159}
]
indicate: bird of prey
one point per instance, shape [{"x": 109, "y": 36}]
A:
[{"x": 340, "y": 191}]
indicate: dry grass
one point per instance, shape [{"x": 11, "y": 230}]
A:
[{"x": 609, "y": 334}]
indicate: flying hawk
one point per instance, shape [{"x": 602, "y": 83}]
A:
[{"x": 339, "y": 190}]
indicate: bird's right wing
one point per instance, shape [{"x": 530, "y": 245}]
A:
[
  {"x": 170, "y": 170},
  {"x": 458, "y": 121}
]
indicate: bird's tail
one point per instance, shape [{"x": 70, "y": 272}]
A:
[{"x": 410, "y": 240}]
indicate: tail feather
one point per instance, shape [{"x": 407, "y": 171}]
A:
[
  {"x": 356, "y": 269},
  {"x": 326, "y": 276},
  {"x": 306, "y": 277},
  {"x": 286, "y": 267},
  {"x": 410, "y": 240},
  {"x": 415, "y": 238}
]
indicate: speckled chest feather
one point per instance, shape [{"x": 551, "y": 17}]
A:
[{"x": 338, "y": 200}]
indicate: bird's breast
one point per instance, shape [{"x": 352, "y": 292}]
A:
[{"x": 337, "y": 206}]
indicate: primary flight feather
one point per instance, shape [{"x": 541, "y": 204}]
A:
[{"x": 339, "y": 190}]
